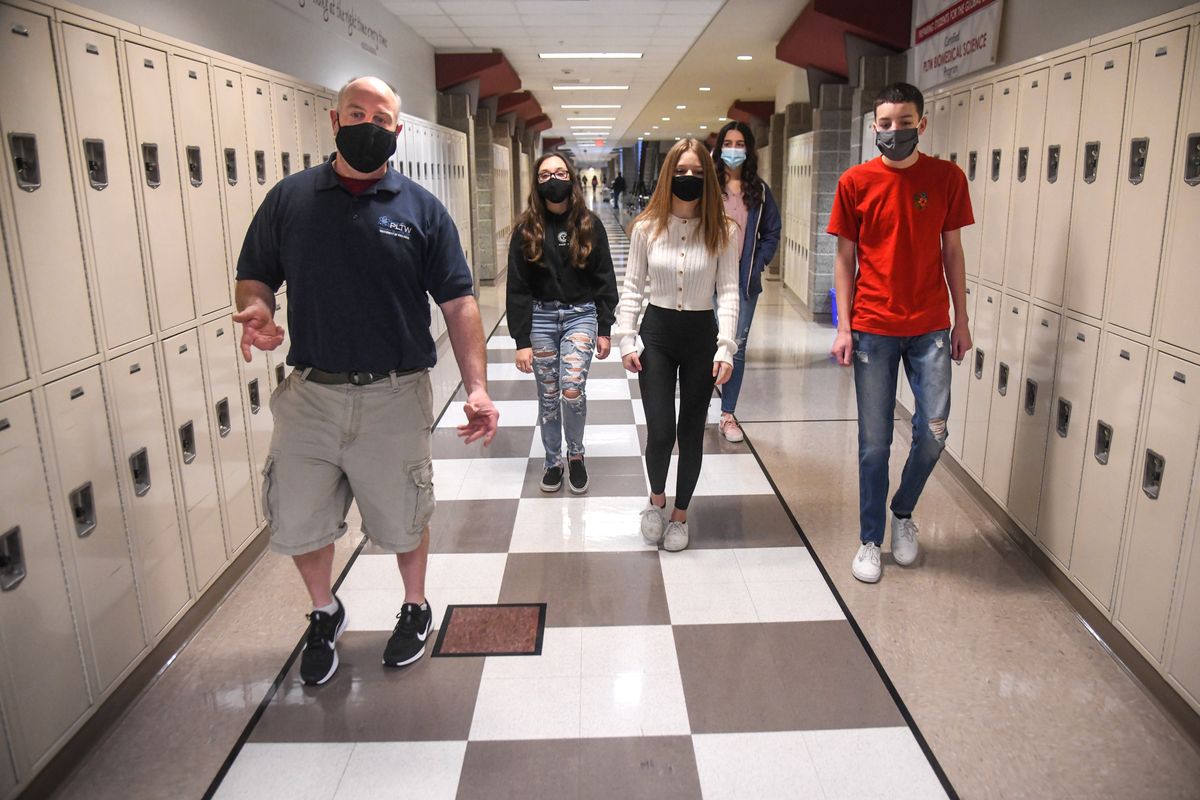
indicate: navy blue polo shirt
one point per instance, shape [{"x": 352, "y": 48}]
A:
[{"x": 358, "y": 268}]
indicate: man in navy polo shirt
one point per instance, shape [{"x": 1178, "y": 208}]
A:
[{"x": 361, "y": 248}]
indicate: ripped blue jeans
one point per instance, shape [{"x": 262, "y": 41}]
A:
[
  {"x": 563, "y": 338},
  {"x": 877, "y": 360}
]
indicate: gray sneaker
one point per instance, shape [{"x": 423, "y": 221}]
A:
[
  {"x": 652, "y": 524},
  {"x": 676, "y": 537},
  {"x": 904, "y": 541}
]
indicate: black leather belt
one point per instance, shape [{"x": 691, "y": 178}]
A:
[{"x": 356, "y": 378}]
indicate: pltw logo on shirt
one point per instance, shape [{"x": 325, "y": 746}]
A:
[
  {"x": 393, "y": 228},
  {"x": 921, "y": 201},
  {"x": 562, "y": 239}
]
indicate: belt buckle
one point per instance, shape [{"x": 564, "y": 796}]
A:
[{"x": 356, "y": 377}]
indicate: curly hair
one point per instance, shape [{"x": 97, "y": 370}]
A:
[
  {"x": 579, "y": 220},
  {"x": 752, "y": 184}
]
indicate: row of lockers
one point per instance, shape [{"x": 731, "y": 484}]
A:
[
  {"x": 797, "y": 215},
  {"x": 502, "y": 199}
]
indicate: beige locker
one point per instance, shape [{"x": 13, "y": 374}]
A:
[
  {"x": 93, "y": 527},
  {"x": 998, "y": 165},
  {"x": 979, "y": 124},
  {"x": 154, "y": 143},
  {"x": 237, "y": 169},
  {"x": 12, "y": 356},
  {"x": 47, "y": 235},
  {"x": 1056, "y": 179},
  {"x": 325, "y": 142},
  {"x": 257, "y": 391},
  {"x": 1033, "y": 419},
  {"x": 8, "y": 772},
  {"x": 263, "y": 169},
  {"x": 960, "y": 372},
  {"x": 1107, "y": 465},
  {"x": 1184, "y": 664},
  {"x": 42, "y": 660},
  {"x": 277, "y": 358},
  {"x": 1026, "y": 177},
  {"x": 1069, "y": 415},
  {"x": 1163, "y": 470},
  {"x": 107, "y": 183},
  {"x": 941, "y": 132},
  {"x": 194, "y": 457},
  {"x": 1006, "y": 396},
  {"x": 1096, "y": 180},
  {"x": 283, "y": 107},
  {"x": 144, "y": 464},
  {"x": 225, "y": 385},
  {"x": 306, "y": 118},
  {"x": 1145, "y": 179},
  {"x": 982, "y": 375}
]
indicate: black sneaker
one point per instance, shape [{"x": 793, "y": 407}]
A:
[
  {"x": 552, "y": 479},
  {"x": 408, "y": 639},
  {"x": 578, "y": 476},
  {"x": 319, "y": 660}
]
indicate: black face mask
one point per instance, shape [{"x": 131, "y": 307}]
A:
[
  {"x": 366, "y": 146},
  {"x": 554, "y": 190},
  {"x": 897, "y": 144},
  {"x": 687, "y": 187}
]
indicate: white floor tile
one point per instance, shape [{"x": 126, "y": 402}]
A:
[
  {"x": 462, "y": 570},
  {"x": 563, "y": 524},
  {"x": 508, "y": 372},
  {"x": 873, "y": 762},
  {"x": 501, "y": 342},
  {"x": 793, "y": 601},
  {"x": 777, "y": 564},
  {"x": 373, "y": 571},
  {"x": 629, "y": 650},
  {"x": 769, "y": 765},
  {"x": 608, "y": 388},
  {"x": 376, "y": 609},
  {"x": 700, "y": 566},
  {"x": 724, "y": 474},
  {"x": 513, "y": 413},
  {"x": 710, "y": 604},
  {"x": 426, "y": 770},
  {"x": 633, "y": 704},
  {"x": 562, "y": 657},
  {"x": 527, "y": 708},
  {"x": 599, "y": 441},
  {"x": 478, "y": 478},
  {"x": 303, "y": 771}
]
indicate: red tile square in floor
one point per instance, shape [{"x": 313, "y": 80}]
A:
[{"x": 507, "y": 629}]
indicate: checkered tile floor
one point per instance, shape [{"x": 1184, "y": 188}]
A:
[{"x": 725, "y": 671}]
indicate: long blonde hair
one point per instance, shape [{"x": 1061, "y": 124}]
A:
[{"x": 714, "y": 224}]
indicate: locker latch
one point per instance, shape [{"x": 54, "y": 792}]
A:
[
  {"x": 25, "y": 161},
  {"x": 231, "y": 166},
  {"x": 1153, "y": 474},
  {"x": 260, "y": 167},
  {"x": 255, "y": 397},
  {"x": 150, "y": 163},
  {"x": 139, "y": 470},
  {"x": 1104, "y": 436},
  {"x": 1191, "y": 160},
  {"x": 187, "y": 441},
  {"x": 1063, "y": 423},
  {"x": 12, "y": 560},
  {"x": 1022, "y": 164},
  {"x": 1091, "y": 161},
  {"x": 1138, "y": 150},
  {"x": 1002, "y": 379},
  {"x": 307, "y": 160},
  {"x": 972, "y": 161},
  {"x": 97, "y": 163},
  {"x": 1053, "y": 154},
  {"x": 285, "y": 162},
  {"x": 224, "y": 425},
  {"x": 195, "y": 170},
  {"x": 280, "y": 373},
  {"x": 979, "y": 357},
  {"x": 83, "y": 510},
  {"x": 996, "y": 165},
  {"x": 1031, "y": 391}
]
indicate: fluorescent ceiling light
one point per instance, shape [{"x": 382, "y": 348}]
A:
[
  {"x": 677, "y": 138},
  {"x": 745, "y": 58},
  {"x": 722, "y": 119},
  {"x": 680, "y": 108},
  {"x": 589, "y": 55},
  {"x": 571, "y": 87},
  {"x": 593, "y": 119},
  {"x": 591, "y": 127},
  {"x": 706, "y": 88},
  {"x": 655, "y": 127},
  {"x": 703, "y": 127},
  {"x": 646, "y": 133},
  {"x": 576, "y": 105},
  {"x": 666, "y": 119}
]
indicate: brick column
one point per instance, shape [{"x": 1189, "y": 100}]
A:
[{"x": 831, "y": 157}]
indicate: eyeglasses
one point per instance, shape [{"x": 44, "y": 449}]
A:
[{"x": 560, "y": 174}]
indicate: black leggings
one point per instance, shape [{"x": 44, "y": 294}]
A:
[{"x": 678, "y": 344}]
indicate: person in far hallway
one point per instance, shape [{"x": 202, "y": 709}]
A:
[
  {"x": 618, "y": 187},
  {"x": 595, "y": 183},
  {"x": 902, "y": 214},
  {"x": 750, "y": 204}
]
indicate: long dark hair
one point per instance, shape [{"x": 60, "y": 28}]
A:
[
  {"x": 752, "y": 185},
  {"x": 579, "y": 219}
]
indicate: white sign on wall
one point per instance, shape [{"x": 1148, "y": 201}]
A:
[{"x": 954, "y": 37}]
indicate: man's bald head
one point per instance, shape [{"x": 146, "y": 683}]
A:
[{"x": 371, "y": 96}]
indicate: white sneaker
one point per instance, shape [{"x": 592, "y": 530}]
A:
[
  {"x": 867, "y": 565},
  {"x": 730, "y": 429},
  {"x": 652, "y": 524},
  {"x": 904, "y": 541},
  {"x": 676, "y": 537}
]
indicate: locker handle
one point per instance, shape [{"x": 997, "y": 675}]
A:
[
  {"x": 972, "y": 161},
  {"x": 1053, "y": 154},
  {"x": 1022, "y": 164},
  {"x": 979, "y": 359},
  {"x": 285, "y": 162},
  {"x": 280, "y": 373},
  {"x": 1091, "y": 161},
  {"x": 150, "y": 163},
  {"x": 260, "y": 167},
  {"x": 1002, "y": 380},
  {"x": 25, "y": 161},
  {"x": 1139, "y": 149},
  {"x": 1104, "y": 436},
  {"x": 307, "y": 160},
  {"x": 224, "y": 425},
  {"x": 996, "y": 157},
  {"x": 1152, "y": 476},
  {"x": 255, "y": 397},
  {"x": 139, "y": 470},
  {"x": 12, "y": 560},
  {"x": 1031, "y": 391},
  {"x": 231, "y": 175},
  {"x": 1191, "y": 160},
  {"x": 195, "y": 169},
  {"x": 1063, "y": 423},
  {"x": 187, "y": 441},
  {"x": 83, "y": 510},
  {"x": 97, "y": 163}
]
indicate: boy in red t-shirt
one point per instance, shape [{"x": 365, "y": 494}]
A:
[{"x": 901, "y": 214}]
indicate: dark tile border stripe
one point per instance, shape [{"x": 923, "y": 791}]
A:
[{"x": 537, "y": 645}]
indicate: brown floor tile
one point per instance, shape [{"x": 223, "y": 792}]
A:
[
  {"x": 780, "y": 676},
  {"x": 501, "y": 356},
  {"x": 491, "y": 630},
  {"x": 367, "y": 702},
  {"x": 611, "y": 367},
  {"x": 609, "y": 412},
  {"x": 502, "y": 390},
  {"x": 467, "y": 526},
  {"x": 615, "y": 476},
  {"x": 509, "y": 442},
  {"x": 589, "y": 589},
  {"x": 740, "y": 521}
]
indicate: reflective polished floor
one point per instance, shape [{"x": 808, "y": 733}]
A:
[{"x": 728, "y": 670}]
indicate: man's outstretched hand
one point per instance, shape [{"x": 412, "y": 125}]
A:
[{"x": 258, "y": 329}]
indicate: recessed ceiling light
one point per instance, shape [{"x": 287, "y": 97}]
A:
[
  {"x": 589, "y": 55},
  {"x": 639, "y": 138},
  {"x": 677, "y": 138},
  {"x": 655, "y": 127},
  {"x": 647, "y": 133},
  {"x": 706, "y": 88},
  {"x": 666, "y": 119},
  {"x": 745, "y": 58},
  {"x": 722, "y": 119},
  {"x": 591, "y": 127},
  {"x": 577, "y": 105},
  {"x": 588, "y": 87},
  {"x": 703, "y": 127},
  {"x": 680, "y": 108},
  {"x": 593, "y": 119}
]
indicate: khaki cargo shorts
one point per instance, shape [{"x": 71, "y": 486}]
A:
[{"x": 334, "y": 444}]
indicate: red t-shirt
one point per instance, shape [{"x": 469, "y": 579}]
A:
[{"x": 897, "y": 217}]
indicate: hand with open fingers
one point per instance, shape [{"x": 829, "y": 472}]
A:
[
  {"x": 632, "y": 363},
  {"x": 603, "y": 346},
  {"x": 524, "y": 360},
  {"x": 843, "y": 348},
  {"x": 258, "y": 329},
  {"x": 722, "y": 371},
  {"x": 960, "y": 341},
  {"x": 482, "y": 419}
]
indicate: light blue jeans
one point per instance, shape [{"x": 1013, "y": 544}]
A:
[
  {"x": 877, "y": 362},
  {"x": 563, "y": 339}
]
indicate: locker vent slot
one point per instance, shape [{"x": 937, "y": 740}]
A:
[
  {"x": 1104, "y": 436},
  {"x": 231, "y": 175},
  {"x": 150, "y": 164},
  {"x": 1031, "y": 390},
  {"x": 285, "y": 163},
  {"x": 92, "y": 49},
  {"x": 83, "y": 510},
  {"x": 972, "y": 161},
  {"x": 1125, "y": 355},
  {"x": 1191, "y": 160},
  {"x": 97, "y": 163},
  {"x": 980, "y": 357},
  {"x": 139, "y": 471},
  {"x": 255, "y": 397},
  {"x": 1139, "y": 149},
  {"x": 1152, "y": 475},
  {"x": 260, "y": 167},
  {"x": 147, "y": 63},
  {"x": 25, "y": 161},
  {"x": 1022, "y": 164},
  {"x": 1063, "y": 423},
  {"x": 1091, "y": 161},
  {"x": 187, "y": 441},
  {"x": 224, "y": 426},
  {"x": 280, "y": 372},
  {"x": 1002, "y": 380},
  {"x": 77, "y": 393},
  {"x": 20, "y": 30},
  {"x": 195, "y": 170},
  {"x": 995, "y": 165},
  {"x": 1179, "y": 376},
  {"x": 135, "y": 368},
  {"x": 1053, "y": 153},
  {"x": 12, "y": 560},
  {"x": 192, "y": 74}
]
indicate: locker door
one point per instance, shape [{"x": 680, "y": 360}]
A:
[
  {"x": 1006, "y": 396},
  {"x": 400, "y": 159},
  {"x": 192, "y": 449},
  {"x": 144, "y": 464},
  {"x": 198, "y": 161},
  {"x": 306, "y": 113},
  {"x": 154, "y": 135},
  {"x": 93, "y": 523},
  {"x": 263, "y": 168},
  {"x": 941, "y": 133},
  {"x": 976, "y": 166},
  {"x": 42, "y": 660},
  {"x": 47, "y": 230},
  {"x": 1144, "y": 180},
  {"x": 959, "y": 375},
  {"x": 1033, "y": 418},
  {"x": 283, "y": 106},
  {"x": 221, "y": 352},
  {"x": 1069, "y": 415},
  {"x": 1096, "y": 179},
  {"x": 998, "y": 165},
  {"x": 1057, "y": 179},
  {"x": 236, "y": 167},
  {"x": 277, "y": 358},
  {"x": 981, "y": 379},
  {"x": 12, "y": 357},
  {"x": 108, "y": 183},
  {"x": 1107, "y": 465},
  {"x": 324, "y": 126},
  {"x": 257, "y": 391},
  {"x": 1184, "y": 665},
  {"x": 1163, "y": 471},
  {"x": 1027, "y": 168},
  {"x": 8, "y": 773}
]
